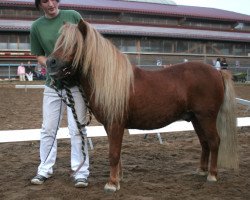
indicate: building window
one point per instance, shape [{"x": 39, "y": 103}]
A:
[
  {"x": 20, "y": 13},
  {"x": 167, "y": 46},
  {"x": 3, "y": 41},
  {"x": 14, "y": 41},
  {"x": 248, "y": 49},
  {"x": 124, "y": 44},
  {"x": 181, "y": 46},
  {"x": 128, "y": 45},
  {"x": 195, "y": 47},
  {"x": 239, "y": 49},
  {"x": 156, "y": 45},
  {"x": 145, "y": 45},
  {"x": 220, "y": 48}
]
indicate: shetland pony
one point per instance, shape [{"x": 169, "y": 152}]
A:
[{"x": 122, "y": 96}]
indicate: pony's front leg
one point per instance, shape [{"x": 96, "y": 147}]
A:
[
  {"x": 115, "y": 136},
  {"x": 120, "y": 169}
]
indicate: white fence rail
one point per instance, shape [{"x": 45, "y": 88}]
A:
[{"x": 98, "y": 131}]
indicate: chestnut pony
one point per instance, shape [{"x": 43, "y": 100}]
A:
[{"x": 122, "y": 96}]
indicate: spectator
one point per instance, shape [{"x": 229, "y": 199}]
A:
[
  {"x": 43, "y": 71},
  {"x": 29, "y": 72},
  {"x": 29, "y": 76},
  {"x": 217, "y": 64},
  {"x": 29, "y": 68},
  {"x": 21, "y": 72},
  {"x": 224, "y": 64},
  {"x": 237, "y": 63},
  {"x": 40, "y": 72}
]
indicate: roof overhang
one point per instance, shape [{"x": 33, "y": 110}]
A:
[
  {"x": 139, "y": 30},
  {"x": 142, "y": 8}
]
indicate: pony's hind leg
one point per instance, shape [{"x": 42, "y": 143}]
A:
[
  {"x": 205, "y": 150},
  {"x": 210, "y": 141},
  {"x": 214, "y": 143}
]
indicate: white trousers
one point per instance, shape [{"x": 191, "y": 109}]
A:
[{"x": 53, "y": 108}]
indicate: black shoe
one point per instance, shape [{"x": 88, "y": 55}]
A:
[
  {"x": 81, "y": 183},
  {"x": 38, "y": 180}
]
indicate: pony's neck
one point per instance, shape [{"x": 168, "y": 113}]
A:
[{"x": 86, "y": 86}]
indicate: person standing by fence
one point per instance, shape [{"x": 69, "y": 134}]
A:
[
  {"x": 217, "y": 64},
  {"x": 224, "y": 64},
  {"x": 29, "y": 71},
  {"x": 21, "y": 72}
]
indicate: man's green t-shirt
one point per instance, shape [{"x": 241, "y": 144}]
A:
[{"x": 44, "y": 33}]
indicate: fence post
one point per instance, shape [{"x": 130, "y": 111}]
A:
[
  {"x": 9, "y": 72},
  {"x": 248, "y": 74}
]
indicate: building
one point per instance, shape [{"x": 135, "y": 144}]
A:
[{"x": 158, "y": 33}]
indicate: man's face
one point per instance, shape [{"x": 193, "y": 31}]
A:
[{"x": 50, "y": 7}]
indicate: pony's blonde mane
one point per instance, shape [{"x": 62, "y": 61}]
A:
[{"x": 109, "y": 70}]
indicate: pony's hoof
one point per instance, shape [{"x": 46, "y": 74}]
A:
[
  {"x": 200, "y": 172},
  {"x": 111, "y": 188},
  {"x": 211, "y": 178}
]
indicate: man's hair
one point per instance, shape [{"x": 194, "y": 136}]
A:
[{"x": 37, "y": 3}]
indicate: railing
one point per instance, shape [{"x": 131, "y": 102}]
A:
[
  {"x": 237, "y": 70},
  {"x": 9, "y": 71},
  {"x": 234, "y": 70}
]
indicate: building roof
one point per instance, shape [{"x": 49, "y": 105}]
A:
[
  {"x": 155, "y": 1},
  {"x": 145, "y": 8},
  {"x": 136, "y": 30}
]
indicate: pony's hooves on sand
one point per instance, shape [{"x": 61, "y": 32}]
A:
[
  {"x": 111, "y": 188},
  {"x": 211, "y": 178},
  {"x": 200, "y": 172}
]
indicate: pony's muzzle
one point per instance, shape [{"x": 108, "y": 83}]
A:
[
  {"x": 58, "y": 68},
  {"x": 52, "y": 66}
]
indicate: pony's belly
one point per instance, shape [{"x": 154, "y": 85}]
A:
[{"x": 148, "y": 123}]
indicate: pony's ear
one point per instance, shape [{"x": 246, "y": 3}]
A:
[{"x": 82, "y": 26}]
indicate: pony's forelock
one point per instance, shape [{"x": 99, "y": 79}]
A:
[{"x": 70, "y": 42}]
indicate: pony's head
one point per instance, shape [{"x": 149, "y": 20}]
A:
[
  {"x": 81, "y": 51},
  {"x": 67, "y": 53}
]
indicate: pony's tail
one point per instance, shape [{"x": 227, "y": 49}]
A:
[{"x": 226, "y": 126}]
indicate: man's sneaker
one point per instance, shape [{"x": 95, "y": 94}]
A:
[
  {"x": 81, "y": 183},
  {"x": 38, "y": 180}
]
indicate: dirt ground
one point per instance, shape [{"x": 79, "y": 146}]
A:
[{"x": 151, "y": 171}]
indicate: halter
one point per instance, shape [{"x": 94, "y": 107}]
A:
[{"x": 69, "y": 101}]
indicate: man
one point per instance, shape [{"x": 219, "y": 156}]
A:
[{"x": 43, "y": 35}]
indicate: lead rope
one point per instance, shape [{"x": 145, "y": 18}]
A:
[{"x": 69, "y": 101}]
